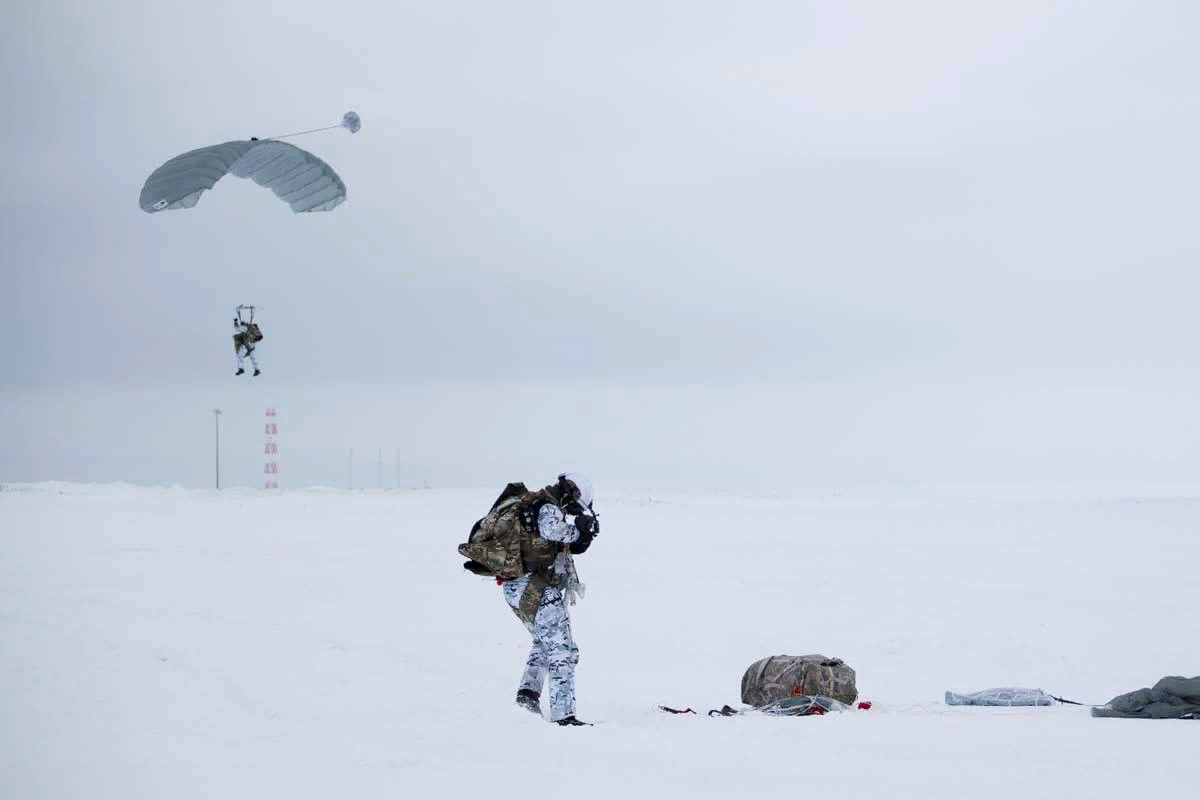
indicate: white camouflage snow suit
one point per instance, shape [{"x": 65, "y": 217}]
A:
[
  {"x": 554, "y": 654},
  {"x": 242, "y": 344}
]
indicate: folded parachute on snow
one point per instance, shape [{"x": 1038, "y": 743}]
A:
[{"x": 296, "y": 176}]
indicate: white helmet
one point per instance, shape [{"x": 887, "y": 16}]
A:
[{"x": 586, "y": 495}]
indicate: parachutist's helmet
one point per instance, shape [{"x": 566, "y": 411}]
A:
[{"x": 576, "y": 489}]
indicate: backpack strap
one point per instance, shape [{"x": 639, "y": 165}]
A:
[{"x": 533, "y": 508}]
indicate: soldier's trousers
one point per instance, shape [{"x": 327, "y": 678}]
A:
[
  {"x": 249, "y": 351},
  {"x": 553, "y": 655}
]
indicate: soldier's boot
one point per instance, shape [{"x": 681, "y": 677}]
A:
[
  {"x": 240, "y": 371},
  {"x": 571, "y": 721},
  {"x": 257, "y": 371},
  {"x": 529, "y": 700}
]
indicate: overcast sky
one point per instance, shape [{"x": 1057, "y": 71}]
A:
[{"x": 822, "y": 193}]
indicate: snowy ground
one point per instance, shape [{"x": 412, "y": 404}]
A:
[{"x": 174, "y": 643}]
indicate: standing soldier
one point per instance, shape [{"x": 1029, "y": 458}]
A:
[{"x": 527, "y": 544}]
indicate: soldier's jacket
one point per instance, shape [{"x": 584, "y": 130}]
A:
[
  {"x": 776, "y": 678},
  {"x": 560, "y": 575}
]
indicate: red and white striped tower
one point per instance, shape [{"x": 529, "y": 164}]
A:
[{"x": 271, "y": 450}]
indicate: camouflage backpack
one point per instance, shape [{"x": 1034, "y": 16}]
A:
[
  {"x": 776, "y": 678},
  {"x": 255, "y": 333},
  {"x": 505, "y": 543}
]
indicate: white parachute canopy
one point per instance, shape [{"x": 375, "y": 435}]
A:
[{"x": 296, "y": 176}]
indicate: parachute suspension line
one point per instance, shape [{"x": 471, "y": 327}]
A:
[
  {"x": 350, "y": 121},
  {"x": 300, "y": 133}
]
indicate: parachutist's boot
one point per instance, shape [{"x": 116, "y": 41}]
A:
[
  {"x": 529, "y": 700},
  {"x": 240, "y": 371},
  {"x": 257, "y": 371},
  {"x": 571, "y": 721}
]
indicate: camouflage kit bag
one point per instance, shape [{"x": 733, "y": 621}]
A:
[
  {"x": 503, "y": 543},
  {"x": 776, "y": 678}
]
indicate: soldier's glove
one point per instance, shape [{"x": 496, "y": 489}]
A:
[
  {"x": 580, "y": 545},
  {"x": 587, "y": 527}
]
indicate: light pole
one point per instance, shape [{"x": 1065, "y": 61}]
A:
[{"x": 217, "y": 423}]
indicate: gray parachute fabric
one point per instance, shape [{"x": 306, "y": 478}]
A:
[
  {"x": 1173, "y": 697},
  {"x": 1004, "y": 696},
  {"x": 300, "y": 179}
]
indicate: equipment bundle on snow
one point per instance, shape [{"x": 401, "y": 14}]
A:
[
  {"x": 505, "y": 543},
  {"x": 1006, "y": 696},
  {"x": 793, "y": 686},
  {"x": 1173, "y": 697},
  {"x": 776, "y": 679}
]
